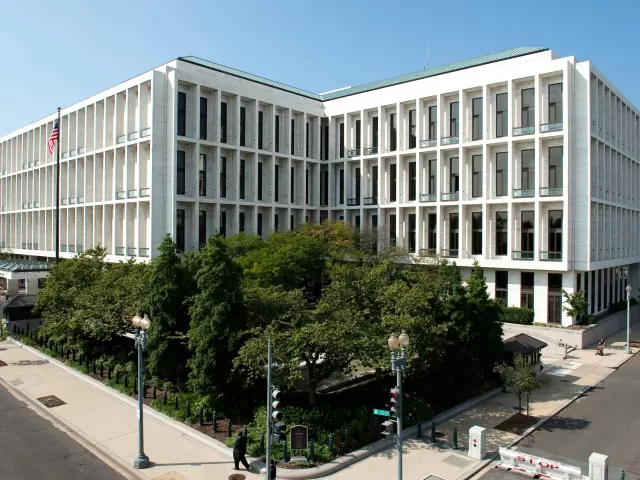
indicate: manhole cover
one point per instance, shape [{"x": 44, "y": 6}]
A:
[
  {"x": 237, "y": 476},
  {"x": 51, "y": 401},
  {"x": 457, "y": 461},
  {"x": 3, "y": 364},
  {"x": 2, "y": 349}
]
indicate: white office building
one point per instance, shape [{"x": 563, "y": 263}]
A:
[{"x": 522, "y": 160}]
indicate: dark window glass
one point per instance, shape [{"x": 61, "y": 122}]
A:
[
  {"x": 181, "y": 177},
  {"x": 392, "y": 230},
  {"x": 528, "y": 169},
  {"x": 202, "y": 180},
  {"x": 293, "y": 136},
  {"x": 202, "y": 228},
  {"x": 341, "y": 140},
  {"x": 502, "y": 281},
  {"x": 555, "y": 167},
  {"x": 555, "y": 230},
  {"x": 374, "y": 182},
  {"x": 203, "y": 118},
  {"x": 412, "y": 232},
  {"x": 223, "y": 122},
  {"x": 502, "y": 174},
  {"x": 357, "y": 222},
  {"x": 306, "y": 189},
  {"x": 292, "y": 180},
  {"x": 260, "y": 224},
  {"x": 325, "y": 187},
  {"x": 374, "y": 142},
  {"x": 501, "y": 233},
  {"x": 555, "y": 298},
  {"x": 241, "y": 222},
  {"x": 412, "y": 129},
  {"x": 393, "y": 140},
  {"x": 276, "y": 186},
  {"x": 259, "y": 180},
  {"x": 528, "y": 107},
  {"x": 243, "y": 125},
  {"x": 223, "y": 177},
  {"x": 182, "y": 113},
  {"x": 292, "y": 223},
  {"x": 341, "y": 186},
  {"x": 454, "y": 113},
  {"x": 476, "y": 234},
  {"x": 476, "y": 107},
  {"x": 555, "y": 103},
  {"x": 223, "y": 223},
  {"x": 358, "y": 186},
  {"x": 454, "y": 177},
  {"x": 433, "y": 123},
  {"x": 526, "y": 290},
  {"x": 412, "y": 181},
  {"x": 502, "y": 112},
  {"x": 260, "y": 129},
  {"x": 277, "y": 133},
  {"x": 242, "y": 179},
  {"x": 433, "y": 176},
  {"x": 432, "y": 231},
  {"x": 276, "y": 222},
  {"x": 454, "y": 232},
  {"x": 180, "y": 230},
  {"x": 326, "y": 142},
  {"x": 393, "y": 180},
  {"x": 527, "y": 231},
  {"x": 476, "y": 179},
  {"x": 358, "y": 135},
  {"x": 307, "y": 139}
]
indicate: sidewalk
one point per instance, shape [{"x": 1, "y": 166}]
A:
[{"x": 108, "y": 422}]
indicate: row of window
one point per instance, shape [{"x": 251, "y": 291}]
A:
[{"x": 554, "y": 303}]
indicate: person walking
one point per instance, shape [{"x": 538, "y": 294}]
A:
[{"x": 239, "y": 452}]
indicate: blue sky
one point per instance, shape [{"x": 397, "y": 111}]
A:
[{"x": 56, "y": 53}]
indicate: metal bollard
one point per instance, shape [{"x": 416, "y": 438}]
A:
[
  {"x": 214, "y": 423},
  {"x": 228, "y": 428},
  {"x": 101, "y": 370},
  {"x": 135, "y": 385},
  {"x": 244, "y": 431},
  {"x": 164, "y": 398},
  {"x": 93, "y": 367},
  {"x": 284, "y": 451},
  {"x": 86, "y": 361},
  {"x": 73, "y": 355},
  {"x": 261, "y": 443},
  {"x": 455, "y": 439},
  {"x": 108, "y": 373},
  {"x": 126, "y": 380},
  {"x": 200, "y": 416},
  {"x": 118, "y": 377},
  {"x": 419, "y": 431},
  {"x": 176, "y": 402},
  {"x": 433, "y": 432},
  {"x": 188, "y": 410},
  {"x": 621, "y": 474},
  {"x": 68, "y": 354},
  {"x": 312, "y": 451},
  {"x": 154, "y": 393},
  {"x": 331, "y": 444},
  {"x": 346, "y": 440}
]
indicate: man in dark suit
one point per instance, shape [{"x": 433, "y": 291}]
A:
[{"x": 239, "y": 452}]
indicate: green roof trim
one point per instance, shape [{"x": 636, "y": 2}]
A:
[{"x": 409, "y": 77}]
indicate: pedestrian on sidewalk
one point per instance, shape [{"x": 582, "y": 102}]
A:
[{"x": 239, "y": 452}]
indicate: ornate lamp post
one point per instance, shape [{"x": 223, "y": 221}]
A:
[
  {"x": 398, "y": 362},
  {"x": 628, "y": 290},
  {"x": 141, "y": 325}
]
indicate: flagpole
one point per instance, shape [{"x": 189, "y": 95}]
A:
[{"x": 58, "y": 189}]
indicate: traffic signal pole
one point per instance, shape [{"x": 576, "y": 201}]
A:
[
  {"x": 268, "y": 459},
  {"x": 399, "y": 381}
]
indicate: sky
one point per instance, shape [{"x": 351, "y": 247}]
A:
[{"x": 56, "y": 53}]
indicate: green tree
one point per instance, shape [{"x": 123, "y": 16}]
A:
[
  {"x": 576, "y": 306},
  {"x": 520, "y": 377}
]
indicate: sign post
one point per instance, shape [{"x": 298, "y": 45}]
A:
[
  {"x": 299, "y": 440},
  {"x": 382, "y": 413}
]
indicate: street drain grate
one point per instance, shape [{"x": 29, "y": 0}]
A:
[
  {"x": 3, "y": 364},
  {"x": 457, "y": 461},
  {"x": 51, "y": 401}
]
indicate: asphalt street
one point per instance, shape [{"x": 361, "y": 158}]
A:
[
  {"x": 33, "y": 448},
  {"x": 605, "y": 420}
]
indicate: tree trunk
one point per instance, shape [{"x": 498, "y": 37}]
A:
[{"x": 312, "y": 393}]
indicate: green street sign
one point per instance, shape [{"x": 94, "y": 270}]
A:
[{"x": 382, "y": 413}]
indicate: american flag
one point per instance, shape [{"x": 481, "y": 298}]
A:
[{"x": 53, "y": 138}]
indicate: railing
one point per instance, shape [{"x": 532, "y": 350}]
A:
[
  {"x": 428, "y": 197},
  {"x": 64, "y": 201},
  {"x": 449, "y": 140},
  {"x": 36, "y": 163},
  {"x": 522, "y": 255},
  {"x": 371, "y": 151},
  {"x": 79, "y": 248},
  {"x": 133, "y": 135},
  {"x": 80, "y": 199},
  {"x": 119, "y": 250},
  {"x": 427, "y": 252},
  {"x": 24, "y": 166},
  {"x": 36, "y": 204},
  {"x": 30, "y": 204},
  {"x": 428, "y": 143},
  {"x": 63, "y": 247},
  {"x": 370, "y": 200},
  {"x": 72, "y": 200},
  {"x": 30, "y": 164},
  {"x": 551, "y": 127},
  {"x": 29, "y": 246},
  {"x": 81, "y": 150},
  {"x": 36, "y": 246},
  {"x": 144, "y": 252},
  {"x": 145, "y": 132},
  {"x": 131, "y": 251},
  {"x": 352, "y": 202},
  {"x": 72, "y": 153},
  {"x": 449, "y": 253},
  {"x": 120, "y": 195},
  {"x": 145, "y": 192},
  {"x": 449, "y": 197},
  {"x": 517, "y": 131},
  {"x": 132, "y": 193},
  {"x": 24, "y": 245},
  {"x": 4, "y": 172},
  {"x": 523, "y": 192},
  {"x": 551, "y": 256},
  {"x": 72, "y": 249},
  {"x": 121, "y": 138},
  {"x": 65, "y": 154},
  {"x": 551, "y": 191},
  {"x": 24, "y": 205},
  {"x": 353, "y": 153}
]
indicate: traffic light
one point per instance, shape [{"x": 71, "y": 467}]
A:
[
  {"x": 386, "y": 429},
  {"x": 279, "y": 429},
  {"x": 276, "y": 414},
  {"x": 393, "y": 401}
]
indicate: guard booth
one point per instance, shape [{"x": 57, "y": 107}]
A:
[
  {"x": 527, "y": 346},
  {"x": 20, "y": 281}
]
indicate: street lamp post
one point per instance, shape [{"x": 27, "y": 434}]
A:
[
  {"x": 398, "y": 362},
  {"x": 628, "y": 289},
  {"x": 141, "y": 325}
]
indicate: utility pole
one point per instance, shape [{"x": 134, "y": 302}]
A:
[{"x": 268, "y": 459}]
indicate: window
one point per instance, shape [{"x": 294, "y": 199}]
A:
[
  {"x": 392, "y": 230},
  {"x": 326, "y": 142},
  {"x": 527, "y": 231},
  {"x": 203, "y": 118},
  {"x": 307, "y": 140},
  {"x": 476, "y": 233},
  {"x": 277, "y": 133},
  {"x": 526, "y": 290},
  {"x": 412, "y": 181},
  {"x": 325, "y": 188},
  {"x": 374, "y": 182},
  {"x": 293, "y": 136},
  {"x": 454, "y": 233},
  {"x": 181, "y": 177},
  {"x": 341, "y": 140},
  {"x": 412, "y": 129},
  {"x": 502, "y": 175},
  {"x": 260, "y": 129},
  {"x": 241, "y": 222},
  {"x": 476, "y": 179},
  {"x": 555, "y": 231},
  {"x": 276, "y": 186},
  {"x": 453, "y": 119},
  {"x": 502, "y": 281},
  {"x": 260, "y": 224},
  {"x": 528, "y": 107},
  {"x": 412, "y": 232},
  {"x": 202, "y": 180},
  {"x": 243, "y": 125},
  {"x": 223, "y": 223},
  {"x": 292, "y": 179},
  {"x": 502, "y": 115},
  {"x": 276, "y": 221},
  {"x": 223, "y": 177},
  {"x": 358, "y": 185},
  {"x": 307, "y": 186},
  {"x": 432, "y": 231},
  {"x": 180, "y": 230},
  {"x": 292, "y": 223},
  {"x": 454, "y": 177},
  {"x": 554, "y": 310},
  {"x": 374, "y": 142},
  {"x": 202, "y": 228},
  {"x": 341, "y": 182},
  {"x": 555, "y": 103},
  {"x": 476, "y": 110},
  {"x": 182, "y": 113},
  {"x": 393, "y": 140},
  {"x": 528, "y": 169},
  {"x": 433, "y": 123},
  {"x": 392, "y": 182},
  {"x": 555, "y": 167},
  {"x": 242, "y": 179},
  {"x": 259, "y": 180},
  {"x": 357, "y": 222},
  {"x": 501, "y": 233},
  {"x": 358, "y": 135},
  {"x": 433, "y": 176},
  {"x": 223, "y": 122}
]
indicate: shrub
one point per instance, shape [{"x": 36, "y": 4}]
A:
[
  {"x": 519, "y": 315},
  {"x": 621, "y": 305}
]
